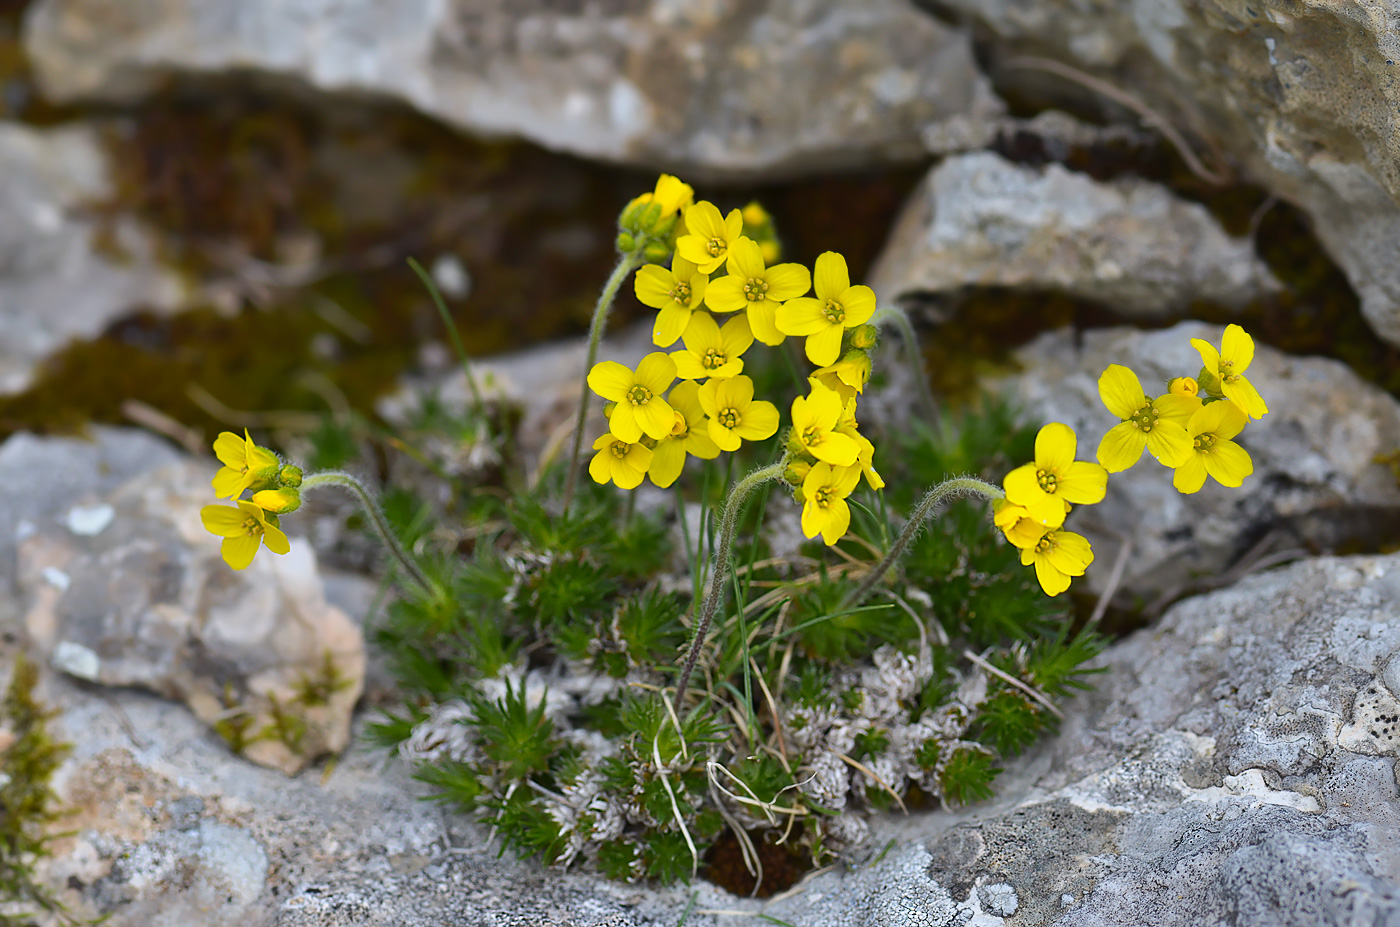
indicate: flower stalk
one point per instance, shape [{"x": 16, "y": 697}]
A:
[
  {"x": 948, "y": 489},
  {"x": 900, "y": 320},
  {"x": 628, "y": 262},
  {"x": 376, "y": 518},
  {"x": 714, "y": 598}
]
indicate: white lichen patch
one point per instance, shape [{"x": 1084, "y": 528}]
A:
[
  {"x": 1375, "y": 723},
  {"x": 1251, "y": 787}
]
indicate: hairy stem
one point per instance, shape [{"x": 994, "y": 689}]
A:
[
  {"x": 376, "y": 518},
  {"x": 900, "y": 319},
  {"x": 625, "y": 265},
  {"x": 478, "y": 404},
  {"x": 719, "y": 574},
  {"x": 948, "y": 489}
]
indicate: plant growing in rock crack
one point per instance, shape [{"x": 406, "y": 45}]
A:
[{"x": 620, "y": 678}]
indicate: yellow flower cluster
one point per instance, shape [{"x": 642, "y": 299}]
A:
[
  {"x": 722, "y": 291},
  {"x": 1183, "y": 429},
  {"x": 250, "y": 523}
]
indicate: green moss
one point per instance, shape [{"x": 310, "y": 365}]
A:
[{"x": 27, "y": 800}]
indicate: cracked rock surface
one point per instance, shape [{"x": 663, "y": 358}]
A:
[{"x": 722, "y": 87}]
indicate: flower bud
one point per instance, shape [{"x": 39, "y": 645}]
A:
[
  {"x": 794, "y": 443},
  {"x": 626, "y": 244},
  {"x": 1209, "y": 384},
  {"x": 796, "y": 472},
  {"x": 657, "y": 252},
  {"x": 1183, "y": 386},
  {"x": 289, "y": 476},
  {"x": 280, "y": 501},
  {"x": 864, "y": 337}
]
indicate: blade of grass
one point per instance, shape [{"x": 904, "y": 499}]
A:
[{"x": 478, "y": 405}]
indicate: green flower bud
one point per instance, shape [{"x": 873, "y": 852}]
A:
[
  {"x": 626, "y": 244},
  {"x": 1209, "y": 384},
  {"x": 280, "y": 501},
  {"x": 796, "y": 472},
  {"x": 289, "y": 476},
  {"x": 864, "y": 337},
  {"x": 657, "y": 252}
]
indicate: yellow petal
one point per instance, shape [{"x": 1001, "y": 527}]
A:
[
  {"x": 745, "y": 260},
  {"x": 229, "y": 482},
  {"x": 657, "y": 372},
  {"x": 1051, "y": 580},
  {"x": 703, "y": 221},
  {"x": 801, "y": 316},
  {"x": 761, "y": 322},
  {"x": 688, "y": 366},
  {"x": 725, "y": 439},
  {"x": 1055, "y": 446},
  {"x": 1121, "y": 447},
  {"x": 653, "y": 286},
  {"x": 788, "y": 281},
  {"x": 1175, "y": 407},
  {"x": 824, "y": 347},
  {"x": 231, "y": 450},
  {"x": 1083, "y": 483},
  {"x": 1210, "y": 358},
  {"x": 670, "y": 323},
  {"x": 239, "y": 552},
  {"x": 1236, "y": 346},
  {"x": 859, "y": 302},
  {"x": 735, "y": 336},
  {"x": 624, "y": 424},
  {"x": 725, "y": 294},
  {"x": 836, "y": 449},
  {"x": 694, "y": 249},
  {"x": 838, "y": 519},
  {"x": 1022, "y": 486},
  {"x": 1228, "y": 463},
  {"x": 1071, "y": 554},
  {"x": 224, "y": 520},
  {"x": 1168, "y": 443},
  {"x": 667, "y": 462},
  {"x": 610, "y": 380},
  {"x": 276, "y": 540},
  {"x": 733, "y": 225},
  {"x": 625, "y": 475},
  {"x": 702, "y": 333},
  {"x": 600, "y": 467},
  {"x": 1191, "y": 475},
  {"x": 759, "y": 421},
  {"x": 1121, "y": 391},
  {"x": 833, "y": 278},
  {"x": 260, "y": 458},
  {"x": 1222, "y": 419},
  {"x": 655, "y": 418},
  {"x": 1243, "y": 394},
  {"x": 733, "y": 393}
]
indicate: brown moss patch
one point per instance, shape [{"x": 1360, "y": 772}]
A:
[{"x": 782, "y": 865}]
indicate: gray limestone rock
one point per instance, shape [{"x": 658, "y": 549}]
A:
[
  {"x": 1316, "y": 479},
  {"x": 131, "y": 591},
  {"x": 56, "y": 284},
  {"x": 979, "y": 220},
  {"x": 1304, "y": 96},
  {"x": 721, "y": 87}
]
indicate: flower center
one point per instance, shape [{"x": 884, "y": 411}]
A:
[
  {"x": 755, "y": 289},
  {"x": 1204, "y": 443},
  {"x": 822, "y": 497},
  {"x": 619, "y": 449},
  {"x": 713, "y": 358},
  {"x": 639, "y": 395},
  {"x": 1145, "y": 417},
  {"x": 729, "y": 418},
  {"x": 681, "y": 293},
  {"x": 1227, "y": 371},
  {"x": 251, "y": 526},
  {"x": 715, "y": 246},
  {"x": 811, "y": 436},
  {"x": 835, "y": 312},
  {"x": 1047, "y": 480},
  {"x": 1045, "y": 544}
]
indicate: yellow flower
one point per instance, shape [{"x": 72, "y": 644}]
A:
[
  {"x": 1212, "y": 452},
  {"x": 243, "y": 529},
  {"x": 708, "y": 237},
  {"x": 1055, "y": 477},
  {"x": 1058, "y": 555},
  {"x": 1020, "y": 528},
  {"x": 1229, "y": 364},
  {"x": 759, "y": 289},
  {"x": 1158, "y": 425},
  {"x": 814, "y": 421},
  {"x": 672, "y": 194},
  {"x": 656, "y": 213},
  {"x": 733, "y": 413},
  {"x": 1183, "y": 386},
  {"x": 622, "y": 462},
  {"x": 711, "y": 351},
  {"x": 676, "y": 292},
  {"x": 837, "y": 307},
  {"x": 281, "y": 501},
  {"x": 640, "y": 409},
  {"x": 847, "y": 376},
  {"x": 244, "y": 464},
  {"x": 689, "y": 435},
  {"x": 824, "y": 508}
]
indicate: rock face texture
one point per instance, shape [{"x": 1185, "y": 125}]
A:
[
  {"x": 1236, "y": 764},
  {"x": 723, "y": 87},
  {"x": 1315, "y": 480},
  {"x": 979, "y": 220},
  {"x": 55, "y": 283},
  {"x": 132, "y": 591},
  {"x": 1303, "y": 94}
]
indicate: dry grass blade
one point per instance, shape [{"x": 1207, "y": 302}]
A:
[{"x": 1012, "y": 680}]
